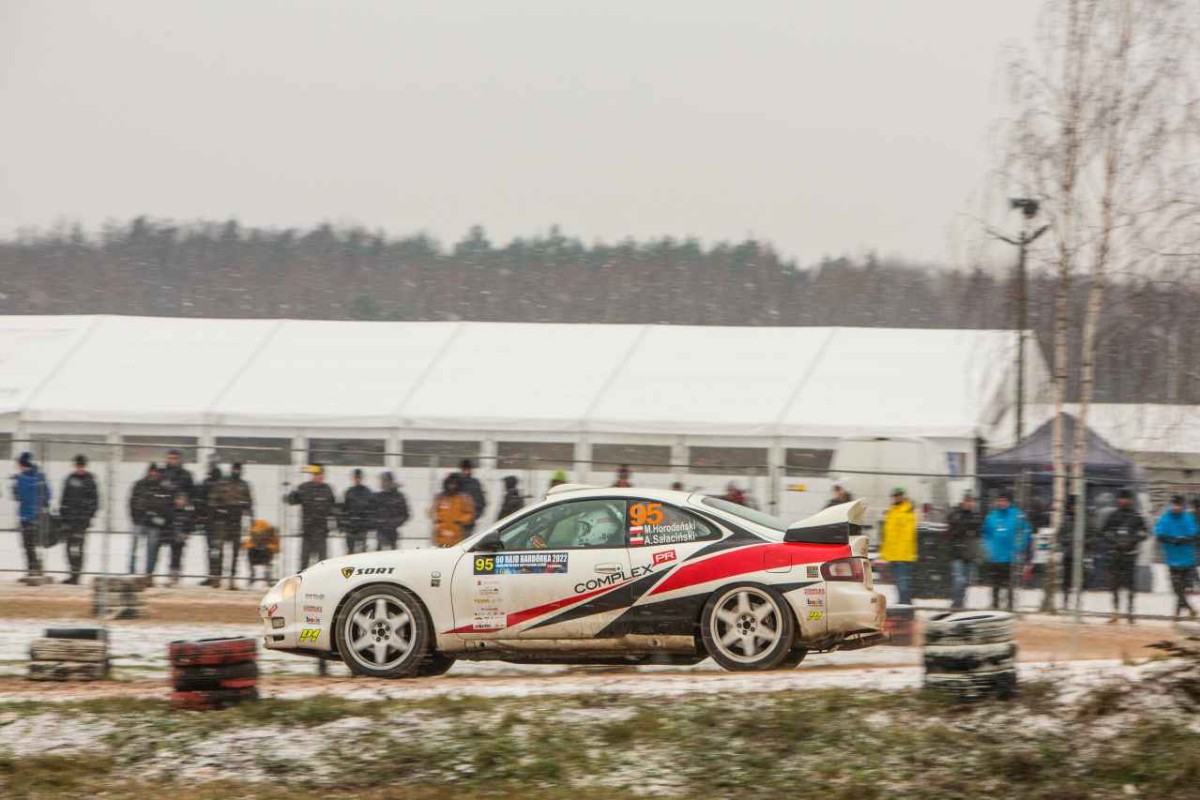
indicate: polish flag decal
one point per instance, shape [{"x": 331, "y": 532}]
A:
[{"x": 637, "y": 535}]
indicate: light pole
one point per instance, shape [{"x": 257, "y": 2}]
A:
[{"x": 1029, "y": 209}]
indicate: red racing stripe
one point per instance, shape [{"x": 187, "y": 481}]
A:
[
  {"x": 749, "y": 559},
  {"x": 517, "y": 617}
]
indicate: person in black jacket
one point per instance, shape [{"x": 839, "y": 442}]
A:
[
  {"x": 962, "y": 532},
  {"x": 391, "y": 511},
  {"x": 317, "y": 504},
  {"x": 469, "y": 485},
  {"x": 513, "y": 501},
  {"x": 358, "y": 508},
  {"x": 1123, "y": 532},
  {"x": 176, "y": 477},
  {"x": 80, "y": 500},
  {"x": 179, "y": 527},
  {"x": 150, "y": 509},
  {"x": 205, "y": 521}
]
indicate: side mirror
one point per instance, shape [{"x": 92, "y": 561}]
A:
[{"x": 489, "y": 544}]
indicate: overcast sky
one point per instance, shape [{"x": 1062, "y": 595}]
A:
[{"x": 823, "y": 127}]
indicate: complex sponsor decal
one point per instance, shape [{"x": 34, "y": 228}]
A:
[
  {"x": 313, "y": 609},
  {"x": 521, "y": 564},
  {"x": 310, "y": 635},
  {"x": 611, "y": 579},
  {"x": 309, "y": 619},
  {"x": 354, "y": 572},
  {"x": 663, "y": 557}
]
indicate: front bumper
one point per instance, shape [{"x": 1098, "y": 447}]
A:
[{"x": 293, "y": 619}]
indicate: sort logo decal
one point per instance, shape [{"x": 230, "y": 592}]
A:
[
  {"x": 354, "y": 572},
  {"x": 310, "y": 634}
]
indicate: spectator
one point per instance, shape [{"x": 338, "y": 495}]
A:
[
  {"x": 1124, "y": 531},
  {"x": 962, "y": 531},
  {"x": 452, "y": 511},
  {"x": 1066, "y": 546},
  {"x": 841, "y": 493},
  {"x": 559, "y": 478},
  {"x": 176, "y": 477},
  {"x": 149, "y": 508},
  {"x": 261, "y": 548},
  {"x": 391, "y": 512},
  {"x": 358, "y": 507},
  {"x": 204, "y": 519},
  {"x": 899, "y": 545},
  {"x": 469, "y": 485},
  {"x": 1176, "y": 530},
  {"x": 32, "y": 494},
  {"x": 624, "y": 478},
  {"x": 1006, "y": 534},
  {"x": 677, "y": 486},
  {"x": 180, "y": 526},
  {"x": 733, "y": 494},
  {"x": 317, "y": 502},
  {"x": 229, "y": 501},
  {"x": 513, "y": 501},
  {"x": 80, "y": 500}
]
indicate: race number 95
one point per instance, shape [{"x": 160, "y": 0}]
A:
[
  {"x": 645, "y": 514},
  {"x": 485, "y": 565}
]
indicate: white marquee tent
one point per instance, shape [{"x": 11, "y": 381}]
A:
[{"x": 715, "y": 398}]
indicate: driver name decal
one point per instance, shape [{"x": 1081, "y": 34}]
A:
[{"x": 521, "y": 564}]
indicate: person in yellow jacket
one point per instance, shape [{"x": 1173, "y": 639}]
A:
[
  {"x": 451, "y": 513},
  {"x": 899, "y": 543},
  {"x": 262, "y": 545}
]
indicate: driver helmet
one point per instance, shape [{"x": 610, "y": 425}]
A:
[{"x": 597, "y": 527}]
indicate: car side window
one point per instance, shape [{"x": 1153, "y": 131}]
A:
[
  {"x": 583, "y": 524},
  {"x": 651, "y": 523}
]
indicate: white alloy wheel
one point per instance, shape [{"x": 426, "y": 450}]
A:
[
  {"x": 382, "y": 632},
  {"x": 748, "y": 627}
]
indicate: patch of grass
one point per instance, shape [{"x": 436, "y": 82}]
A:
[
  {"x": 304, "y": 713},
  {"x": 51, "y": 776}
]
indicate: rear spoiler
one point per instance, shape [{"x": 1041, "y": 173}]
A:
[{"x": 834, "y": 525}]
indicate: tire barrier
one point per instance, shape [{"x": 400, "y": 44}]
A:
[
  {"x": 970, "y": 655},
  {"x": 69, "y": 654},
  {"x": 899, "y": 625},
  {"x": 118, "y": 598},
  {"x": 210, "y": 674}
]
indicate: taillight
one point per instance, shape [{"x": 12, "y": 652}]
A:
[{"x": 844, "y": 569}]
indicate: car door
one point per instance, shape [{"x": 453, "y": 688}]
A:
[{"x": 559, "y": 572}]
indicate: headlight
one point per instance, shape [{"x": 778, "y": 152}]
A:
[{"x": 289, "y": 587}]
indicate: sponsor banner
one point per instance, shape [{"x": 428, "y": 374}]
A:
[
  {"x": 522, "y": 564},
  {"x": 310, "y": 609},
  {"x": 310, "y": 619},
  {"x": 814, "y": 591},
  {"x": 314, "y": 596}
]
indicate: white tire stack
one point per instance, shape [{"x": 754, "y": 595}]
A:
[
  {"x": 971, "y": 654},
  {"x": 69, "y": 654}
]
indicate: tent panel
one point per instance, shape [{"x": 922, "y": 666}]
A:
[{"x": 31, "y": 349}]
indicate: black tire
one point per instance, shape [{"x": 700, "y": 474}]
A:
[
  {"x": 88, "y": 633},
  {"x": 399, "y": 640},
  {"x": 970, "y": 658},
  {"x": 213, "y": 652},
  {"x": 737, "y": 617},
  {"x": 793, "y": 658},
  {"x": 969, "y": 628},
  {"x": 435, "y": 664},
  {"x": 225, "y": 676}
]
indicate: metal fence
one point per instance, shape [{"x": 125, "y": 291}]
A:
[{"x": 788, "y": 491}]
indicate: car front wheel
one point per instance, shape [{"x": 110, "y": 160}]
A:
[
  {"x": 383, "y": 632},
  {"x": 748, "y": 627}
]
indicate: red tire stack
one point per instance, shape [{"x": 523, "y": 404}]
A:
[{"x": 210, "y": 674}]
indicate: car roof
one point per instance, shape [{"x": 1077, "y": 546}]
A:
[{"x": 577, "y": 490}]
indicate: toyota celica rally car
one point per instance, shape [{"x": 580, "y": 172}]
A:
[{"x": 593, "y": 576}]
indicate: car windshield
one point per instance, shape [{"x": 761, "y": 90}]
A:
[{"x": 755, "y": 516}]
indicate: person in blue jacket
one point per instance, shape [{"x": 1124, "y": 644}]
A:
[
  {"x": 1006, "y": 535},
  {"x": 32, "y": 494},
  {"x": 1176, "y": 530}
]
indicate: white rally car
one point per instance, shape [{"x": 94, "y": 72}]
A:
[{"x": 595, "y": 576}]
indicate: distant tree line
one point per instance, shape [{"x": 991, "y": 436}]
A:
[{"x": 1146, "y": 350}]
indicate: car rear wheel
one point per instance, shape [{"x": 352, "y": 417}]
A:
[
  {"x": 382, "y": 631},
  {"x": 748, "y": 627}
]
